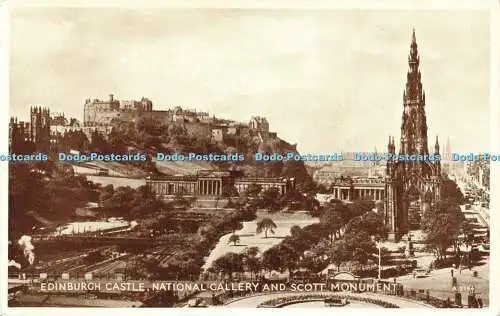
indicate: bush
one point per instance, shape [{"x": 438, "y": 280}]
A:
[{"x": 446, "y": 262}]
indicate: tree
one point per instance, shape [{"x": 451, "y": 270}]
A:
[
  {"x": 234, "y": 239},
  {"x": 331, "y": 219},
  {"x": 295, "y": 169},
  {"x": 252, "y": 260},
  {"x": 309, "y": 187},
  {"x": 338, "y": 253},
  {"x": 271, "y": 259},
  {"x": 251, "y": 251},
  {"x": 253, "y": 190},
  {"x": 98, "y": 143},
  {"x": 373, "y": 224},
  {"x": 355, "y": 238},
  {"x": 360, "y": 256},
  {"x": 322, "y": 189},
  {"x": 229, "y": 263},
  {"x": 116, "y": 141},
  {"x": 265, "y": 225},
  {"x": 280, "y": 257},
  {"x": 359, "y": 207},
  {"x": 289, "y": 256},
  {"x": 450, "y": 190},
  {"x": 311, "y": 204},
  {"x": 270, "y": 197},
  {"x": 443, "y": 224},
  {"x": 295, "y": 231}
]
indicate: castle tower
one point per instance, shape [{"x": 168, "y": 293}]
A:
[
  {"x": 40, "y": 128},
  {"x": 411, "y": 186}
]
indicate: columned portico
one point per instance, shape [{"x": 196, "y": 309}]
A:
[
  {"x": 210, "y": 187},
  {"x": 356, "y": 188}
]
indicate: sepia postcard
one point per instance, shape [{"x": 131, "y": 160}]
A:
[{"x": 269, "y": 155}]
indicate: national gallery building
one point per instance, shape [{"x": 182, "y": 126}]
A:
[
  {"x": 352, "y": 188},
  {"x": 213, "y": 183}
]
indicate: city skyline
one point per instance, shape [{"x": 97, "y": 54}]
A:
[{"x": 303, "y": 70}]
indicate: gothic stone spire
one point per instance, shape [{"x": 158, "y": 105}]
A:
[{"x": 414, "y": 125}]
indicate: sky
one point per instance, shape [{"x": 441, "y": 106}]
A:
[{"x": 328, "y": 80}]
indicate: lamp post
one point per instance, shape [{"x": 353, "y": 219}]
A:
[{"x": 379, "y": 247}]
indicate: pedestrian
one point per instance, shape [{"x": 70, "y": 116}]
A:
[
  {"x": 472, "y": 289},
  {"x": 480, "y": 302},
  {"x": 451, "y": 271}
]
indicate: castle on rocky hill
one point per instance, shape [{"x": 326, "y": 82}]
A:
[{"x": 45, "y": 128}]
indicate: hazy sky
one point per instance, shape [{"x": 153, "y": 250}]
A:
[{"x": 327, "y": 80}]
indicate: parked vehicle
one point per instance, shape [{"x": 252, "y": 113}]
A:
[
  {"x": 335, "y": 302},
  {"x": 420, "y": 273}
]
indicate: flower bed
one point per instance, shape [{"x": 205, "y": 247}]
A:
[{"x": 288, "y": 300}]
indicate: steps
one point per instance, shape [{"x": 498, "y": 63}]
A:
[{"x": 208, "y": 202}]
